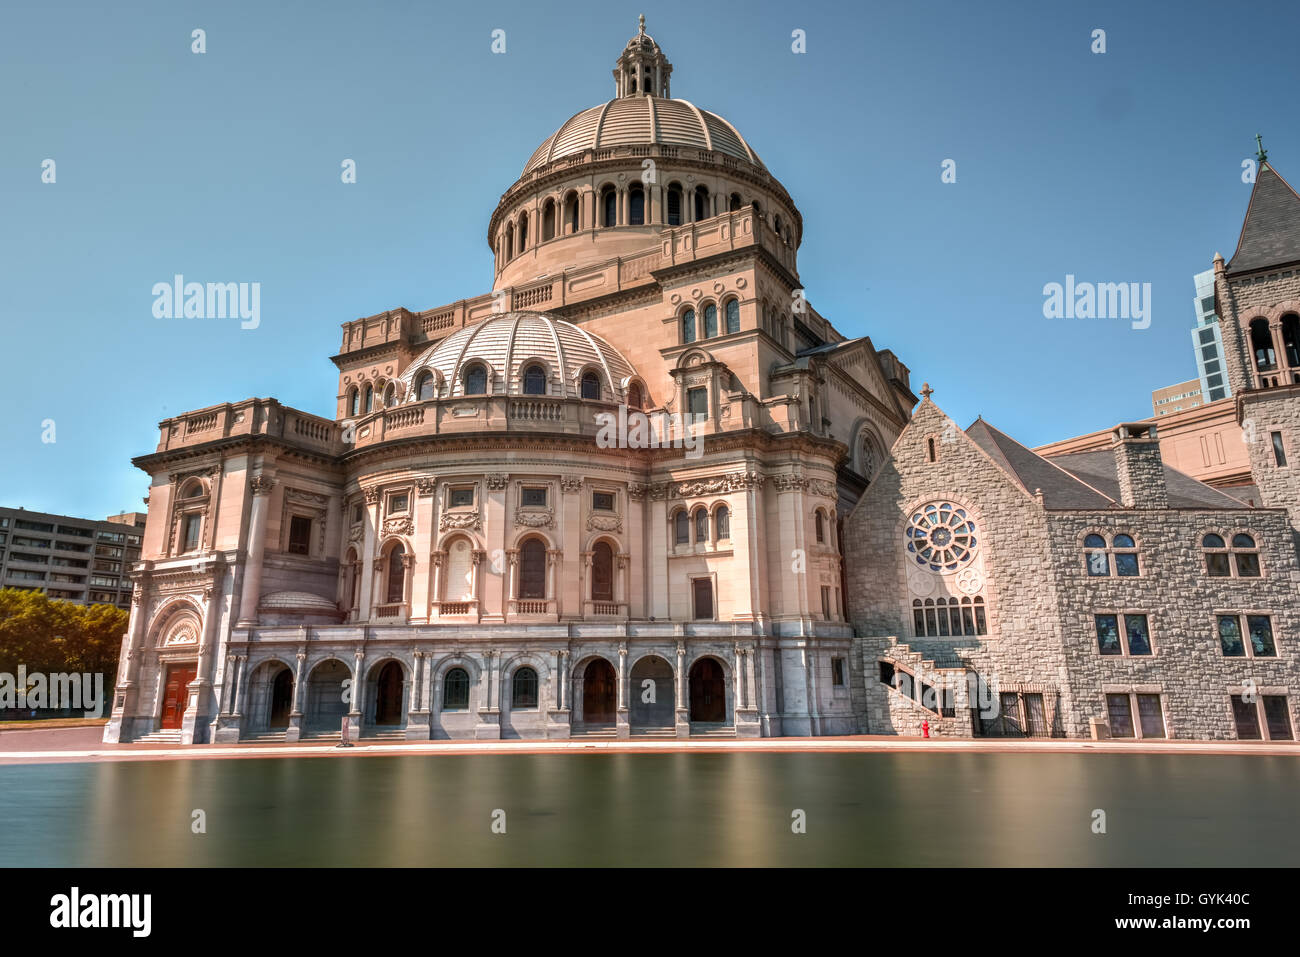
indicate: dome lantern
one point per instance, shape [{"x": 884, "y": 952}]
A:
[{"x": 642, "y": 70}]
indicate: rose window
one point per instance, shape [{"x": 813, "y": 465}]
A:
[{"x": 941, "y": 537}]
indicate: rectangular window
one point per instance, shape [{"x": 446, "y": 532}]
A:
[
  {"x": 1261, "y": 636},
  {"x": 1121, "y": 715},
  {"x": 1206, "y": 336},
  {"x": 1139, "y": 638},
  {"x": 1208, "y": 352},
  {"x": 1108, "y": 634},
  {"x": 192, "y": 525},
  {"x": 826, "y": 602},
  {"x": 461, "y": 497},
  {"x": 398, "y": 503},
  {"x": 1246, "y": 716},
  {"x": 602, "y": 501},
  {"x": 358, "y": 513},
  {"x": 1230, "y": 637},
  {"x": 299, "y": 535},
  {"x": 1277, "y": 717},
  {"x": 33, "y": 526},
  {"x": 697, "y": 401},
  {"x": 1279, "y": 453},
  {"x": 1212, "y": 367},
  {"x": 837, "y": 673},
  {"x": 702, "y": 592},
  {"x": 1150, "y": 716},
  {"x": 887, "y": 673},
  {"x": 532, "y": 497},
  {"x": 1126, "y": 564}
]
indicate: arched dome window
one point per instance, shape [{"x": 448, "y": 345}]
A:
[
  {"x": 609, "y": 203},
  {"x": 396, "y": 575},
  {"x": 710, "y": 321},
  {"x": 776, "y": 224},
  {"x": 535, "y": 380},
  {"x": 702, "y": 203},
  {"x": 354, "y": 401},
  {"x": 636, "y": 205},
  {"x": 476, "y": 380},
  {"x": 733, "y": 316},
  {"x": 734, "y": 204},
  {"x": 370, "y": 398},
  {"x": 820, "y": 522},
  {"x": 635, "y": 398},
  {"x": 510, "y": 242},
  {"x": 590, "y": 385},
  {"x": 722, "y": 523},
  {"x": 688, "y": 325},
  {"x": 602, "y": 572},
  {"x": 424, "y": 386},
  {"x": 758, "y": 208},
  {"x": 572, "y": 213},
  {"x": 523, "y": 231},
  {"x": 532, "y": 569},
  {"x": 390, "y": 395},
  {"x": 674, "y": 204},
  {"x": 548, "y": 220}
]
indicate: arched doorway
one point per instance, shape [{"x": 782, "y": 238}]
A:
[
  {"x": 599, "y": 692},
  {"x": 650, "y": 698},
  {"x": 708, "y": 692},
  {"x": 388, "y": 695},
  {"x": 327, "y": 701},
  {"x": 281, "y": 700}
]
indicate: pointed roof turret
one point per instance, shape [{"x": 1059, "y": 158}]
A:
[{"x": 1270, "y": 233}]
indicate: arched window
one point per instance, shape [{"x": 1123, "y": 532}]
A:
[
  {"x": 535, "y": 380},
  {"x": 710, "y": 321},
  {"x": 424, "y": 386},
  {"x": 722, "y": 523},
  {"x": 688, "y": 325},
  {"x": 702, "y": 203},
  {"x": 1126, "y": 556},
  {"x": 510, "y": 241},
  {"x": 390, "y": 395},
  {"x": 590, "y": 385},
  {"x": 1098, "y": 561},
  {"x": 572, "y": 213},
  {"x": 396, "y": 575},
  {"x": 609, "y": 203},
  {"x": 548, "y": 220},
  {"x": 635, "y": 398},
  {"x": 1222, "y": 561},
  {"x": 776, "y": 223},
  {"x": 733, "y": 316},
  {"x": 602, "y": 572},
  {"x": 1247, "y": 556},
  {"x": 820, "y": 523},
  {"x": 758, "y": 208},
  {"x": 636, "y": 205},
  {"x": 1261, "y": 344},
  {"x": 532, "y": 569},
  {"x": 701, "y": 524},
  {"x": 674, "y": 204},
  {"x": 523, "y": 688},
  {"x": 734, "y": 204},
  {"x": 354, "y": 401},
  {"x": 1291, "y": 340},
  {"x": 455, "y": 690},
  {"x": 523, "y": 231},
  {"x": 370, "y": 398},
  {"x": 681, "y": 528},
  {"x": 476, "y": 380}
]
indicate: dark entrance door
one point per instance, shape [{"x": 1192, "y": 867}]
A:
[
  {"x": 281, "y": 700},
  {"x": 708, "y": 692},
  {"x": 598, "y": 693},
  {"x": 388, "y": 697},
  {"x": 176, "y": 694}
]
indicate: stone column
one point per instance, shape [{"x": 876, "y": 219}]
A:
[
  {"x": 125, "y": 694},
  {"x": 476, "y": 560},
  {"x": 512, "y": 583},
  {"x": 622, "y": 727},
  {"x": 242, "y": 692},
  {"x": 368, "y": 543},
  {"x": 435, "y": 599},
  {"x": 358, "y": 685},
  {"x": 196, "y": 710},
  {"x": 553, "y": 556},
  {"x": 680, "y": 688},
  {"x": 294, "y": 731},
  {"x": 261, "y": 486}
]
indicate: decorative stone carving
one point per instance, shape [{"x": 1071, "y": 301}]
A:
[
  {"x": 817, "y": 487},
  {"x": 356, "y": 533},
  {"x": 497, "y": 481},
  {"x": 789, "y": 482},
  {"x": 636, "y": 491},
  {"x": 261, "y": 484},
  {"x": 425, "y": 486},
  {"x": 544, "y": 519},
  {"x": 604, "y": 523},
  {"x": 308, "y": 498},
  {"x": 371, "y": 494},
  {"x": 398, "y": 526},
  {"x": 183, "y": 634},
  {"x": 731, "y": 482},
  {"x": 459, "y": 520},
  {"x": 571, "y": 483}
]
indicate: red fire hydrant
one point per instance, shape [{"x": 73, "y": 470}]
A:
[{"x": 925, "y": 729}]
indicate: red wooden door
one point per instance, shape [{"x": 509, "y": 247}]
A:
[
  {"x": 176, "y": 694},
  {"x": 598, "y": 693}
]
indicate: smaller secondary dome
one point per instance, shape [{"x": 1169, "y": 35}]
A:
[{"x": 513, "y": 343}]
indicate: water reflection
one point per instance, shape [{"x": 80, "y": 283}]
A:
[{"x": 899, "y": 810}]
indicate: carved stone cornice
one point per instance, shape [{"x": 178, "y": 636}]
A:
[
  {"x": 308, "y": 498},
  {"x": 497, "y": 481},
  {"x": 818, "y": 487},
  {"x": 789, "y": 482},
  {"x": 544, "y": 519},
  {"x": 459, "y": 520},
  {"x": 398, "y": 526},
  {"x": 604, "y": 523},
  {"x": 713, "y": 485}
]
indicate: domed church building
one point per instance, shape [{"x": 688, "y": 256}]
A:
[{"x": 603, "y": 497}]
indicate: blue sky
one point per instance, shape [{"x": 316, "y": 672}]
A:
[{"x": 1115, "y": 167}]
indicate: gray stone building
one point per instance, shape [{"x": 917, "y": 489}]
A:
[{"x": 995, "y": 591}]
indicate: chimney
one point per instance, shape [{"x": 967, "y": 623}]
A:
[{"x": 1138, "y": 465}]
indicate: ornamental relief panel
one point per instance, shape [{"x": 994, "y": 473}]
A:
[
  {"x": 398, "y": 526},
  {"x": 460, "y": 520},
  {"x": 604, "y": 523},
  {"x": 544, "y": 519}
]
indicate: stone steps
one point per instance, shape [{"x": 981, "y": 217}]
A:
[{"x": 169, "y": 736}]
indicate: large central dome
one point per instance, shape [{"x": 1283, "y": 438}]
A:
[{"x": 643, "y": 120}]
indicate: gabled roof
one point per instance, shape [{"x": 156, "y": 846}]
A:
[
  {"x": 1098, "y": 470},
  {"x": 1270, "y": 233},
  {"x": 1060, "y": 489}
]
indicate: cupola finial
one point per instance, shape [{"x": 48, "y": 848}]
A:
[
  {"x": 641, "y": 31},
  {"x": 1260, "y": 153},
  {"x": 642, "y": 70}
]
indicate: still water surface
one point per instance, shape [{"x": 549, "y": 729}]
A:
[{"x": 654, "y": 810}]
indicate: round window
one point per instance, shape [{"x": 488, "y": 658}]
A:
[{"x": 940, "y": 537}]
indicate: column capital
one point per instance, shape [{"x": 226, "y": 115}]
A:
[{"x": 261, "y": 484}]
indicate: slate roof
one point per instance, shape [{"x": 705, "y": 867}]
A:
[
  {"x": 1270, "y": 233},
  {"x": 1083, "y": 480}
]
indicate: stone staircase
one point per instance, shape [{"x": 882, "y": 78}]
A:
[
  {"x": 384, "y": 736},
  {"x": 169, "y": 736},
  {"x": 700, "y": 730},
  {"x": 263, "y": 737}
]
